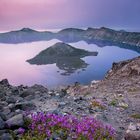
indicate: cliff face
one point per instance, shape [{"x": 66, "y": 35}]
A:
[
  {"x": 106, "y": 34},
  {"x": 101, "y": 36},
  {"x": 125, "y": 69}
]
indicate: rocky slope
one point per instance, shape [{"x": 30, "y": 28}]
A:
[
  {"x": 24, "y": 35},
  {"x": 120, "y": 91},
  {"x": 100, "y": 36},
  {"x": 114, "y": 100}
]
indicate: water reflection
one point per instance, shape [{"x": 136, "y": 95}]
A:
[
  {"x": 67, "y": 65},
  {"x": 27, "y": 35}
]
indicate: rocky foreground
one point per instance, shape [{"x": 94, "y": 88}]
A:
[{"x": 114, "y": 100}]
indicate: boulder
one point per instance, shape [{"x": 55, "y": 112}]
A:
[
  {"x": 16, "y": 121},
  {"x": 132, "y": 135},
  {"x": 11, "y": 106},
  {"x": 26, "y": 106},
  {"x": 11, "y": 100},
  {"x": 133, "y": 132},
  {"x": 132, "y": 127}
]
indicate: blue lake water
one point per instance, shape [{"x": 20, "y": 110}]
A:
[{"x": 14, "y": 67}]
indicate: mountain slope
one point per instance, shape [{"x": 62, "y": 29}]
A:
[
  {"x": 106, "y": 34},
  {"x": 24, "y": 35},
  {"x": 60, "y": 50},
  {"x": 100, "y": 36}
]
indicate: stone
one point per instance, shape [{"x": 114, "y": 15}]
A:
[
  {"x": 1, "y": 107},
  {"x": 120, "y": 95},
  {"x": 4, "y": 103},
  {"x": 18, "y": 111},
  {"x": 138, "y": 126},
  {"x": 10, "y": 115},
  {"x": 19, "y": 99},
  {"x": 15, "y": 90},
  {"x": 94, "y": 82},
  {"x": 26, "y": 93},
  {"x": 2, "y": 123},
  {"x": 61, "y": 104},
  {"x": 10, "y": 100},
  {"x": 26, "y": 106},
  {"x": 3, "y": 116},
  {"x": 30, "y": 97},
  {"x": 2, "y": 96},
  {"x": 132, "y": 127},
  {"x": 101, "y": 116},
  {"x": 39, "y": 89},
  {"x": 78, "y": 99},
  {"x": 6, "y": 136},
  {"x": 16, "y": 121},
  {"x": 11, "y": 106},
  {"x": 123, "y": 105},
  {"x": 132, "y": 135},
  {"x": 6, "y": 110}
]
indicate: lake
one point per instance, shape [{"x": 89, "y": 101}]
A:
[{"x": 14, "y": 67}]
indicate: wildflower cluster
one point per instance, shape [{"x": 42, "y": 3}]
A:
[{"x": 47, "y": 126}]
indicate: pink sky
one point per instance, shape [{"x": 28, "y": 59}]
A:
[
  {"x": 36, "y": 13},
  {"x": 43, "y": 14}
]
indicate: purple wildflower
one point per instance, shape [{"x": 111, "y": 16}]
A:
[
  {"x": 21, "y": 130},
  {"x": 46, "y": 124}
]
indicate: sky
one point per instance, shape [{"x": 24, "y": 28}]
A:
[{"x": 56, "y": 14}]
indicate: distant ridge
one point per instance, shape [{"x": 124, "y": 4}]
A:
[
  {"x": 27, "y": 30},
  {"x": 100, "y": 36}
]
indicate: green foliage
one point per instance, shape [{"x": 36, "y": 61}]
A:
[
  {"x": 135, "y": 116},
  {"x": 113, "y": 102},
  {"x": 97, "y": 104}
]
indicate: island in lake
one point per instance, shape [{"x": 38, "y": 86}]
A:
[{"x": 66, "y": 57}]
